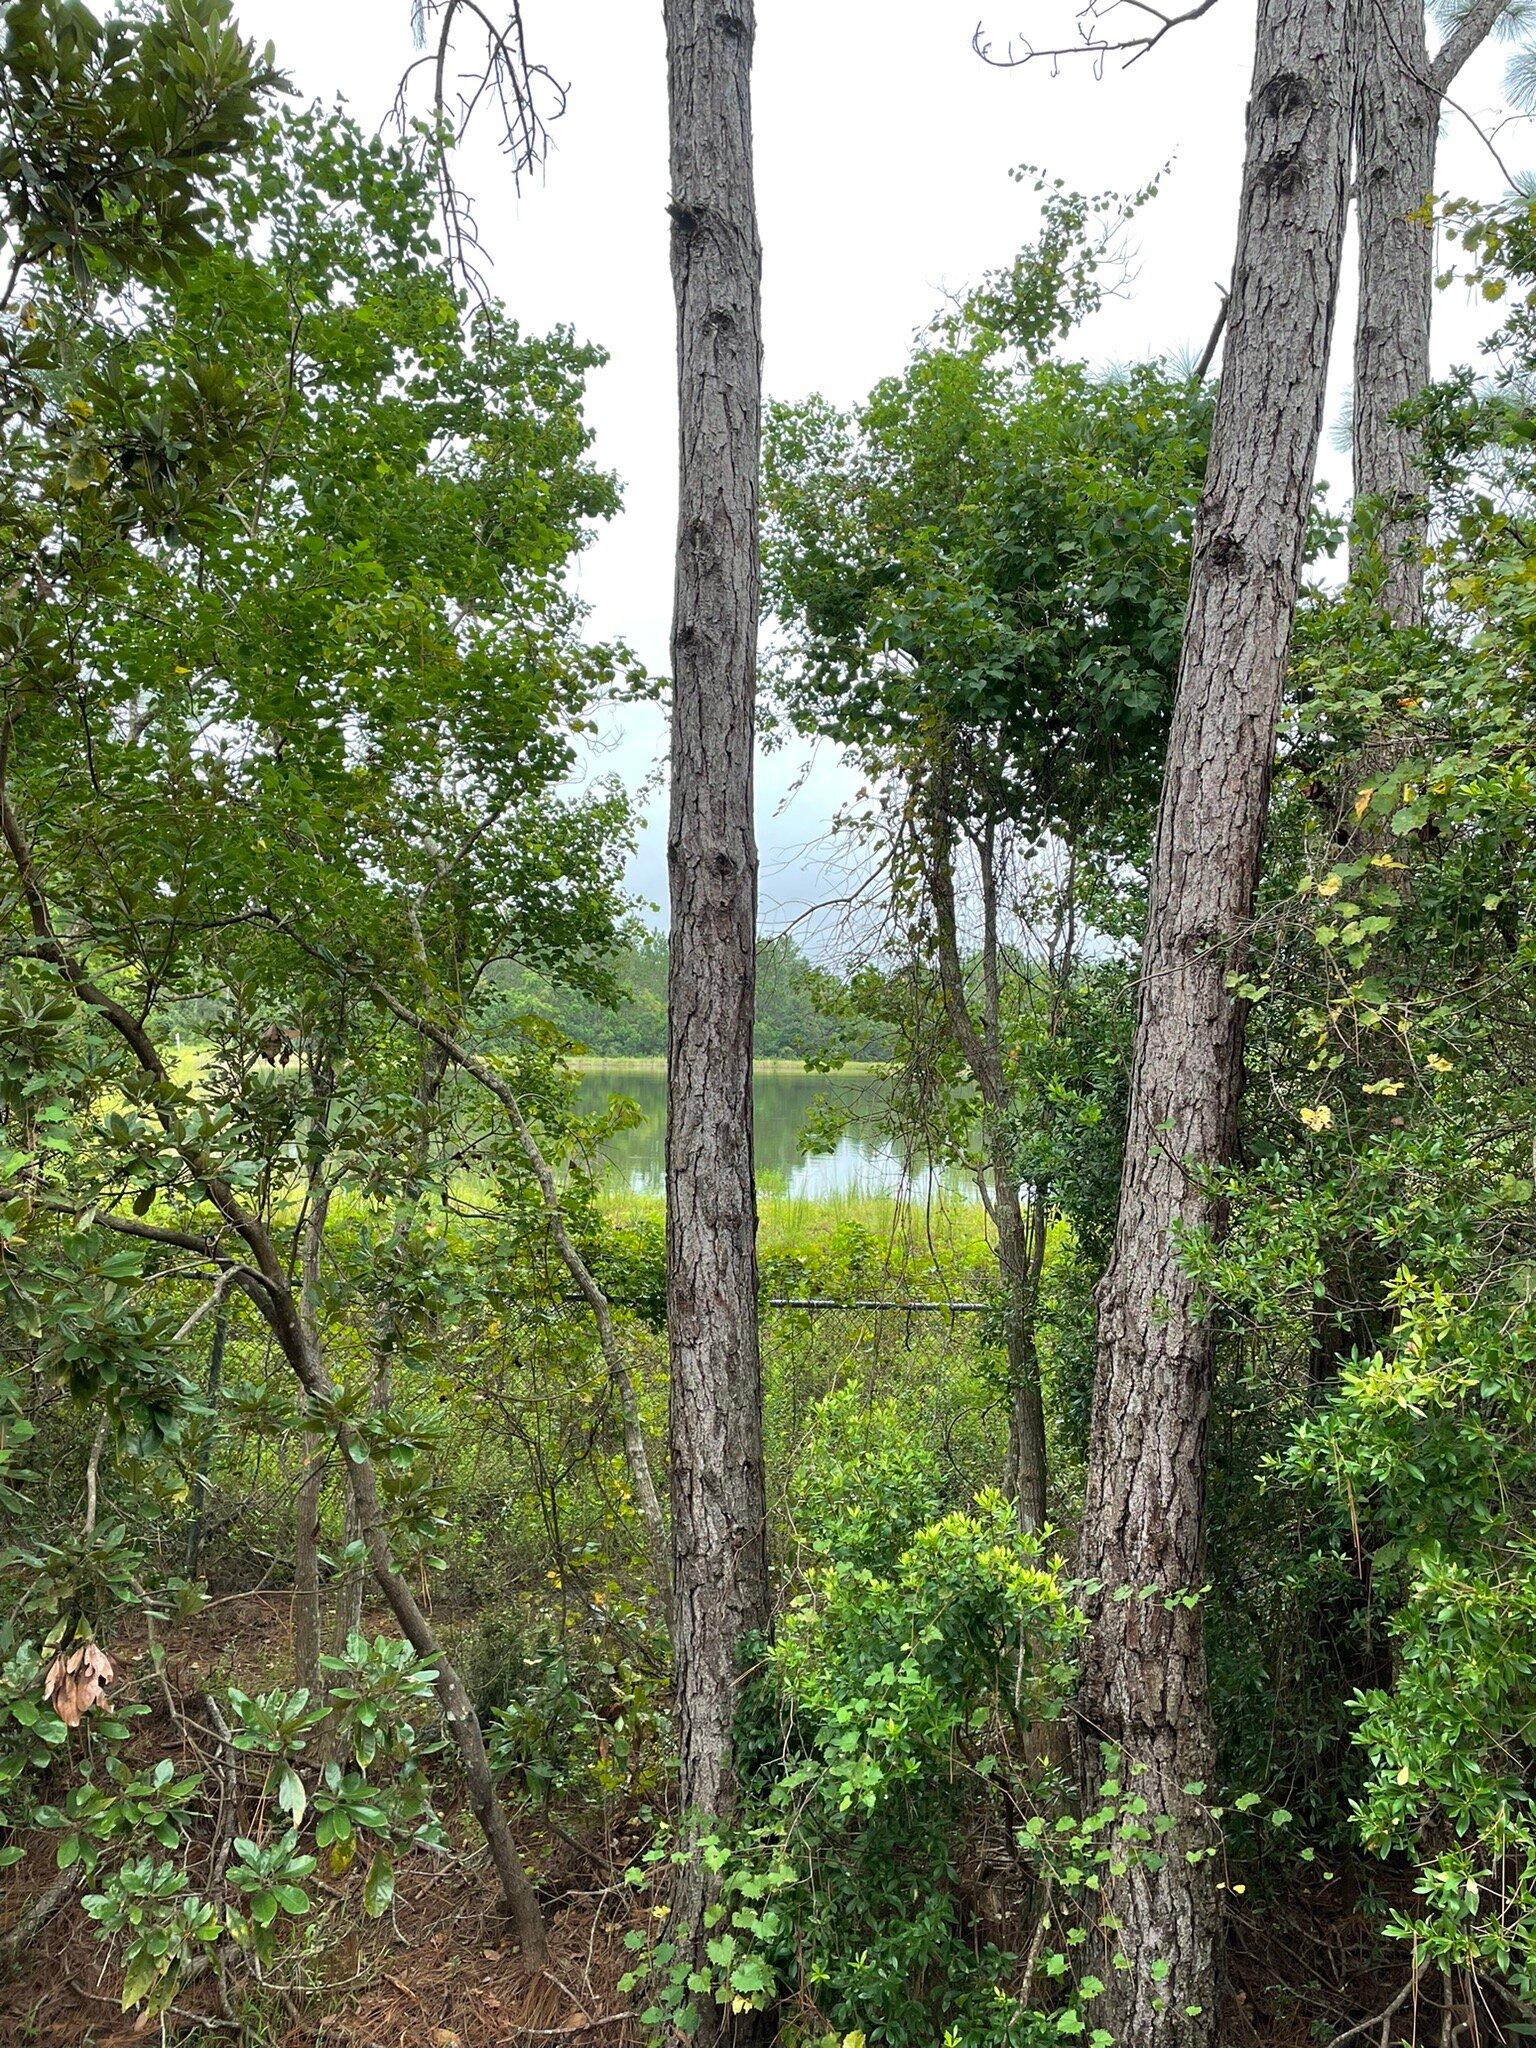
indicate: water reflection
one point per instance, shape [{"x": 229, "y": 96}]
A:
[{"x": 861, "y": 1163}]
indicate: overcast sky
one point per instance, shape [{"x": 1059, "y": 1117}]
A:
[{"x": 884, "y": 148}]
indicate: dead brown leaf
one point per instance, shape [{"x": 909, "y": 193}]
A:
[{"x": 73, "y": 1684}]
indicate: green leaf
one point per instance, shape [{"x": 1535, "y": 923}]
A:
[
  {"x": 291, "y": 1796},
  {"x": 379, "y": 1885}
]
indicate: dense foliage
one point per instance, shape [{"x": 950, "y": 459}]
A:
[{"x": 304, "y": 910}]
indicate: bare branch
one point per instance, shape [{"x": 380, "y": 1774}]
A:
[
  {"x": 527, "y": 98},
  {"x": 647, "y": 1500},
  {"x": 1092, "y": 40},
  {"x": 229, "y": 1276},
  {"x": 1381, "y": 2019},
  {"x": 1208, "y": 353}
]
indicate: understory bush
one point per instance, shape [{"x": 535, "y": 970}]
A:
[{"x": 896, "y": 1833}]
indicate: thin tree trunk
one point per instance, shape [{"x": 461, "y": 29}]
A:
[
  {"x": 194, "y": 1555},
  {"x": 1397, "y": 112},
  {"x": 1026, "y": 1476},
  {"x": 458, "y": 1711},
  {"x": 307, "y": 1617},
  {"x": 1143, "y": 1690},
  {"x": 720, "y": 1574},
  {"x": 347, "y": 1615},
  {"x": 306, "y": 1572},
  {"x": 458, "y": 1708},
  {"x": 1398, "y": 96},
  {"x": 347, "y": 1619}
]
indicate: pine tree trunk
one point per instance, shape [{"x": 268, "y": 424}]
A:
[
  {"x": 720, "y": 1581},
  {"x": 1399, "y": 90},
  {"x": 1144, "y": 1679},
  {"x": 1397, "y": 112}
]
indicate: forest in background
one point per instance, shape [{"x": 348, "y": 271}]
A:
[
  {"x": 802, "y": 1011},
  {"x": 450, "y": 1599}
]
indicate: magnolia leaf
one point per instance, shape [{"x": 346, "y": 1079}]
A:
[{"x": 379, "y": 1885}]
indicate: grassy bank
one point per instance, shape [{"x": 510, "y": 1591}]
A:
[{"x": 950, "y": 1231}]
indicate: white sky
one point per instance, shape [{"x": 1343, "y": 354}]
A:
[{"x": 883, "y": 152}]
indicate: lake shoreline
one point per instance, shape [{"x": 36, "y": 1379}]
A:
[{"x": 655, "y": 1063}]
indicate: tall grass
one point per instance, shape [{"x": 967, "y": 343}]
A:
[{"x": 948, "y": 1228}]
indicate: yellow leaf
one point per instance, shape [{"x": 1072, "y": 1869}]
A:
[
  {"x": 1330, "y": 885},
  {"x": 1318, "y": 1119},
  {"x": 1363, "y": 802},
  {"x": 1437, "y": 1065}
]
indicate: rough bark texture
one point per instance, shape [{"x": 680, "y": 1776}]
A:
[
  {"x": 1398, "y": 94},
  {"x": 1397, "y": 113},
  {"x": 1144, "y": 1680},
  {"x": 720, "y": 1581}
]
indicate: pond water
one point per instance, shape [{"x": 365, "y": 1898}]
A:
[{"x": 861, "y": 1163}]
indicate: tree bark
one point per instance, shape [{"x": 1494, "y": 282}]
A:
[
  {"x": 458, "y": 1711},
  {"x": 307, "y": 1618},
  {"x": 1143, "y": 1690},
  {"x": 1398, "y": 95},
  {"x": 720, "y": 1576},
  {"x": 193, "y": 1562},
  {"x": 1397, "y": 113},
  {"x": 306, "y": 1569}
]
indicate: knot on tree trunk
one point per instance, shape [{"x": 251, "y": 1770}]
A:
[
  {"x": 1283, "y": 105},
  {"x": 1227, "y": 552}
]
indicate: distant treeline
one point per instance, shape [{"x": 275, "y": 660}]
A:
[{"x": 803, "y": 1011}]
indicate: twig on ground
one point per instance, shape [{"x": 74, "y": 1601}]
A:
[{"x": 1384, "y": 2018}]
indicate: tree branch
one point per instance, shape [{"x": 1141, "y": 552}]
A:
[
  {"x": 274, "y": 1299},
  {"x": 1208, "y": 353},
  {"x": 647, "y": 1500},
  {"x": 1473, "y": 29},
  {"x": 1092, "y": 43}
]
